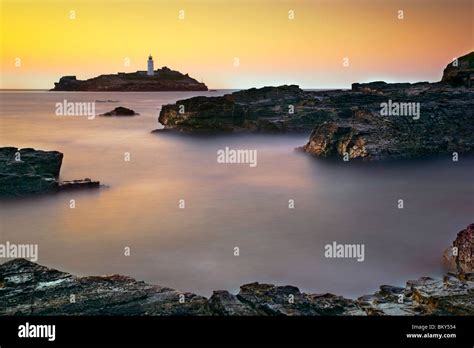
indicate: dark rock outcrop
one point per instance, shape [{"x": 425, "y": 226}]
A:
[
  {"x": 267, "y": 299},
  {"x": 425, "y": 296},
  {"x": 460, "y": 258},
  {"x": 28, "y": 171},
  {"x": 120, "y": 111},
  {"x": 465, "y": 247},
  {"x": 268, "y": 109},
  {"x": 445, "y": 124},
  {"x": 67, "y": 83},
  {"x": 382, "y": 86},
  {"x": 27, "y": 288},
  {"x": 332, "y": 139},
  {"x": 78, "y": 184},
  {"x": 429, "y": 119},
  {"x": 164, "y": 79},
  {"x": 460, "y": 72}
]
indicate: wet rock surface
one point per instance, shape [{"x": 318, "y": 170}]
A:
[
  {"x": 28, "y": 172},
  {"x": 465, "y": 246},
  {"x": 30, "y": 289},
  {"x": 444, "y": 125},
  {"x": 27, "y": 288},
  {"x": 268, "y": 109},
  {"x": 459, "y": 259}
]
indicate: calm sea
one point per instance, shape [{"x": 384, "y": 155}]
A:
[{"x": 226, "y": 206}]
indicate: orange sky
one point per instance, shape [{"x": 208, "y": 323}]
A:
[{"x": 272, "y": 49}]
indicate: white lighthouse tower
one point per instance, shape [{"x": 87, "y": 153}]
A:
[{"x": 150, "y": 71}]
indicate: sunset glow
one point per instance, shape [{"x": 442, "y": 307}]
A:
[{"x": 272, "y": 49}]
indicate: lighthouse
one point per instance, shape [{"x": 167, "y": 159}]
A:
[{"x": 150, "y": 71}]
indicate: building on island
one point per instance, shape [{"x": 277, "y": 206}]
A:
[{"x": 150, "y": 71}]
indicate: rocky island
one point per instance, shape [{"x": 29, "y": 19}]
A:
[
  {"x": 371, "y": 121},
  {"x": 28, "y": 172},
  {"x": 163, "y": 79},
  {"x": 27, "y": 288}
]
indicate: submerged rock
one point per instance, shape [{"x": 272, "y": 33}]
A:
[
  {"x": 27, "y": 288},
  {"x": 120, "y": 111},
  {"x": 29, "y": 171}
]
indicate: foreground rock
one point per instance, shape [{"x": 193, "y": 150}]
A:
[
  {"x": 29, "y": 171},
  {"x": 120, "y": 111},
  {"x": 27, "y": 288},
  {"x": 267, "y": 299},
  {"x": 372, "y": 121},
  {"x": 164, "y": 79}
]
